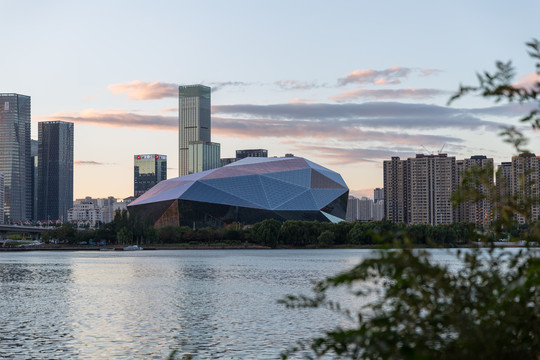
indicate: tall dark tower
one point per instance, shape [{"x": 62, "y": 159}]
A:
[
  {"x": 55, "y": 170},
  {"x": 15, "y": 160}
]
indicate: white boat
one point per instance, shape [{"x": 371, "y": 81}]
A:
[
  {"x": 132, "y": 248},
  {"x": 106, "y": 249}
]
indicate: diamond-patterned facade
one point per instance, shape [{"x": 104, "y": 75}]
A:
[{"x": 247, "y": 191}]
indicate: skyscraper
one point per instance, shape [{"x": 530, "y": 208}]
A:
[
  {"x": 149, "y": 169},
  {"x": 15, "y": 160},
  {"x": 194, "y": 121},
  {"x": 55, "y": 170}
]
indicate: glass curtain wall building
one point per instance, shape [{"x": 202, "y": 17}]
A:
[
  {"x": 203, "y": 156},
  {"x": 194, "y": 121},
  {"x": 149, "y": 169},
  {"x": 55, "y": 170},
  {"x": 246, "y": 192},
  {"x": 15, "y": 160}
]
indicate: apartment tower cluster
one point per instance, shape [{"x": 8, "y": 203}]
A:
[{"x": 418, "y": 190}]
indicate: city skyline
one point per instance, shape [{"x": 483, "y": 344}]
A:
[{"x": 345, "y": 85}]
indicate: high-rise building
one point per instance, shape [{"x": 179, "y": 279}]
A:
[
  {"x": 378, "y": 195},
  {"x": 149, "y": 169},
  {"x": 15, "y": 160},
  {"x": 1, "y": 198},
  {"x": 55, "y": 170},
  {"x": 478, "y": 212},
  {"x": 351, "y": 213},
  {"x": 431, "y": 182},
  {"x": 525, "y": 184},
  {"x": 395, "y": 190},
  {"x": 365, "y": 209},
  {"x": 418, "y": 190},
  {"x": 203, "y": 155},
  {"x": 194, "y": 110},
  {"x": 378, "y": 210},
  {"x": 34, "y": 180},
  {"x": 241, "y": 154}
]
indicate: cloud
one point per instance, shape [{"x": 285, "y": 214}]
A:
[
  {"x": 296, "y": 85},
  {"x": 342, "y": 156},
  {"x": 91, "y": 97},
  {"x": 372, "y": 114},
  {"x": 88, "y": 162},
  {"x": 216, "y": 86},
  {"x": 140, "y": 90},
  {"x": 350, "y": 131},
  {"x": 389, "y": 94},
  {"x": 118, "y": 118},
  {"x": 429, "y": 72},
  {"x": 171, "y": 109},
  {"x": 529, "y": 81},
  {"x": 392, "y": 75},
  {"x": 298, "y": 100}
]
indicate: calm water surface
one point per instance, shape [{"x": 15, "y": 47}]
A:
[{"x": 141, "y": 305}]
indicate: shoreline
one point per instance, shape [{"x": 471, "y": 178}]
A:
[{"x": 233, "y": 247}]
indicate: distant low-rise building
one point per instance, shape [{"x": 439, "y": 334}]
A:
[
  {"x": 85, "y": 212},
  {"x": 89, "y": 211}
]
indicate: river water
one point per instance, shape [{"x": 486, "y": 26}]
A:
[{"x": 142, "y": 305}]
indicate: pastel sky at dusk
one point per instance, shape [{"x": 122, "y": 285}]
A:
[{"x": 346, "y": 84}]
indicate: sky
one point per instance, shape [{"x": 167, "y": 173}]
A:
[{"x": 346, "y": 84}]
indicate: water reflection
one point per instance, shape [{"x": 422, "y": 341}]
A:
[{"x": 142, "y": 305}]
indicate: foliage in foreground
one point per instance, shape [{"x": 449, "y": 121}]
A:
[{"x": 487, "y": 309}]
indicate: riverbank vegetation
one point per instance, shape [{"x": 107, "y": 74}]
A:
[{"x": 125, "y": 230}]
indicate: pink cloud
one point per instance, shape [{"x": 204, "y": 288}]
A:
[
  {"x": 529, "y": 81},
  {"x": 299, "y": 101},
  {"x": 140, "y": 90},
  {"x": 316, "y": 130},
  {"x": 172, "y": 109},
  {"x": 388, "y": 94},
  {"x": 118, "y": 118}
]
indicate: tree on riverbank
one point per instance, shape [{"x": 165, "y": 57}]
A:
[{"x": 415, "y": 309}]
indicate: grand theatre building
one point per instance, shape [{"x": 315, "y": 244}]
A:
[{"x": 246, "y": 192}]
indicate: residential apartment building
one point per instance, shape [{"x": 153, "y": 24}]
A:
[
  {"x": 418, "y": 190},
  {"x": 525, "y": 185},
  {"x": 2, "y": 198},
  {"x": 395, "y": 190},
  {"x": 478, "y": 212}
]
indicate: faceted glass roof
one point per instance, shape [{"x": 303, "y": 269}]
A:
[{"x": 279, "y": 184}]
